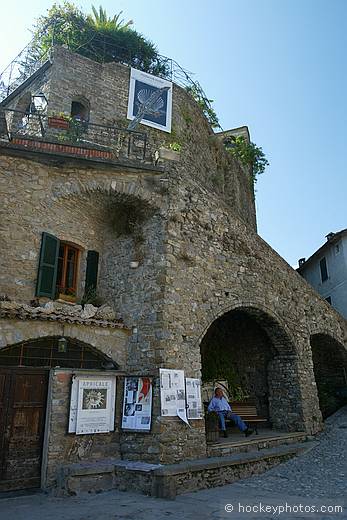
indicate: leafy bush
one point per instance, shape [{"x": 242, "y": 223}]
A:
[
  {"x": 249, "y": 154},
  {"x": 95, "y": 36}
]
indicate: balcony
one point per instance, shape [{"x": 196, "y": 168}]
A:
[{"x": 71, "y": 137}]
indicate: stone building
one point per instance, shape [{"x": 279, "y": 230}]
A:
[{"x": 171, "y": 248}]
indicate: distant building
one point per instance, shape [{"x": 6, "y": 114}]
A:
[{"x": 326, "y": 270}]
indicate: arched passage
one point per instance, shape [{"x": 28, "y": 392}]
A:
[
  {"x": 249, "y": 349},
  {"x": 330, "y": 370}
]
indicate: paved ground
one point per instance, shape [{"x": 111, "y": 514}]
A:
[{"x": 316, "y": 479}]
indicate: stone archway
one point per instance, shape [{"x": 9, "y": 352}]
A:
[
  {"x": 330, "y": 371},
  {"x": 257, "y": 352}
]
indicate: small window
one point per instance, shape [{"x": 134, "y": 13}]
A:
[
  {"x": 67, "y": 270},
  {"x": 79, "y": 111},
  {"x": 328, "y": 299},
  {"x": 337, "y": 248},
  {"x": 323, "y": 269}
]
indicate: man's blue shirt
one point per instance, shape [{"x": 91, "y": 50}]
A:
[{"x": 219, "y": 405}]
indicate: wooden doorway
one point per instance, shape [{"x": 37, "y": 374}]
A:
[{"x": 23, "y": 396}]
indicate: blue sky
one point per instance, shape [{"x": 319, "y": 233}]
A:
[{"x": 278, "y": 66}]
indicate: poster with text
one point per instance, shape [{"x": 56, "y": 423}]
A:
[
  {"x": 92, "y": 405},
  {"x": 158, "y": 112},
  {"x": 173, "y": 394},
  {"x": 137, "y": 403},
  {"x": 194, "y": 402}
]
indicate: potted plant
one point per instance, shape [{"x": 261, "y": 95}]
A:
[{"x": 212, "y": 427}]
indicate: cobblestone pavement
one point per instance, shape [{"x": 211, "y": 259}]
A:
[{"x": 289, "y": 491}]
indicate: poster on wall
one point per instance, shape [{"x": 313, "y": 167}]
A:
[
  {"x": 137, "y": 403},
  {"x": 194, "y": 402},
  {"x": 173, "y": 394},
  {"x": 158, "y": 112},
  {"x": 92, "y": 405}
]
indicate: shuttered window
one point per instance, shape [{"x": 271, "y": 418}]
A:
[
  {"x": 92, "y": 271},
  {"x": 48, "y": 266},
  {"x": 58, "y": 266}
]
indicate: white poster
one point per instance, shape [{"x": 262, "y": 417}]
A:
[
  {"x": 157, "y": 109},
  {"x": 137, "y": 403},
  {"x": 92, "y": 405},
  {"x": 173, "y": 394},
  {"x": 194, "y": 402}
]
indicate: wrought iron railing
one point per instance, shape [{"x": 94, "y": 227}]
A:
[
  {"x": 117, "y": 142},
  {"x": 27, "y": 62}
]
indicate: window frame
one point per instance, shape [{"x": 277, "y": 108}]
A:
[
  {"x": 323, "y": 261},
  {"x": 60, "y": 289}
]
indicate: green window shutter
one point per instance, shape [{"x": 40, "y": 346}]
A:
[
  {"x": 48, "y": 266},
  {"x": 92, "y": 271}
]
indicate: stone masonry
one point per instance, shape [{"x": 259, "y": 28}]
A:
[{"x": 190, "y": 256}]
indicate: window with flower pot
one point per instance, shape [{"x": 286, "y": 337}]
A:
[{"x": 58, "y": 270}]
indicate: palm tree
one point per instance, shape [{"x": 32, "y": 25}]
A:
[{"x": 100, "y": 20}]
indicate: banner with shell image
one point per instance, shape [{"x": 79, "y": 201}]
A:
[
  {"x": 92, "y": 404},
  {"x": 156, "y": 113}
]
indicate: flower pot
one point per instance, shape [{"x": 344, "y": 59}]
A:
[{"x": 58, "y": 122}]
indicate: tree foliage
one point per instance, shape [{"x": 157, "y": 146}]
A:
[
  {"x": 96, "y": 36},
  {"x": 249, "y": 154}
]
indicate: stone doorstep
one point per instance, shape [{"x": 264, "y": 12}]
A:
[{"x": 161, "y": 480}]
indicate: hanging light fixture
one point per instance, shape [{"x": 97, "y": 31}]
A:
[
  {"x": 62, "y": 345},
  {"x": 39, "y": 102}
]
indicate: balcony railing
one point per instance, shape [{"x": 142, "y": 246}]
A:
[{"x": 70, "y": 135}]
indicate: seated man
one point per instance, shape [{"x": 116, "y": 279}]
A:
[{"x": 220, "y": 405}]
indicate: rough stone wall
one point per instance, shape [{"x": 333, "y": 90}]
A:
[
  {"x": 217, "y": 264},
  {"x": 106, "y": 87}
]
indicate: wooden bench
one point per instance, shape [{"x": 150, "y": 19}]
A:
[{"x": 248, "y": 413}]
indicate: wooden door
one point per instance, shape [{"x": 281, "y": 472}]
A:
[{"x": 23, "y": 394}]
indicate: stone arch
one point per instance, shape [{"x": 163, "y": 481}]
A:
[
  {"x": 110, "y": 342},
  {"x": 329, "y": 358},
  {"x": 261, "y": 344},
  {"x": 53, "y": 351},
  {"x": 123, "y": 189}
]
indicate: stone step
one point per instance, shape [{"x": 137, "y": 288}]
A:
[
  {"x": 176, "y": 479},
  {"x": 229, "y": 447},
  {"x": 167, "y": 481}
]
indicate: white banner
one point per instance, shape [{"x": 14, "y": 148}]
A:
[
  {"x": 92, "y": 405},
  {"x": 194, "y": 402},
  {"x": 141, "y": 88},
  {"x": 137, "y": 403},
  {"x": 173, "y": 393}
]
